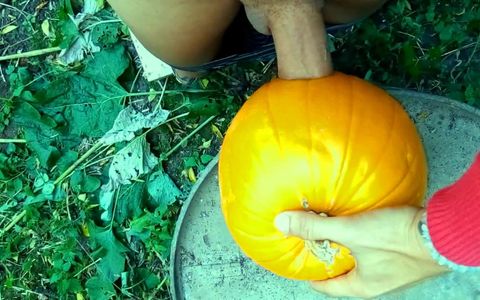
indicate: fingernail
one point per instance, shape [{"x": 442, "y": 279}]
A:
[{"x": 282, "y": 222}]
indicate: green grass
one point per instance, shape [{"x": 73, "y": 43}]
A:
[
  {"x": 422, "y": 45},
  {"x": 61, "y": 234}
]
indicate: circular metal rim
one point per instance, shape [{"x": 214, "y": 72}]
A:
[
  {"x": 178, "y": 227},
  {"x": 393, "y": 91}
]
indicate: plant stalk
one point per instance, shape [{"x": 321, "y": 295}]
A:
[
  {"x": 14, "y": 221},
  {"x": 187, "y": 137},
  {"x": 16, "y": 141},
  {"x": 30, "y": 53},
  {"x": 77, "y": 163}
]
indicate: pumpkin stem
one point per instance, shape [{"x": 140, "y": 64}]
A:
[
  {"x": 306, "y": 207},
  {"x": 305, "y": 204},
  {"x": 300, "y": 37},
  {"x": 322, "y": 250}
]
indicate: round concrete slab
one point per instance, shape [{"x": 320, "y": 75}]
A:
[{"x": 207, "y": 264}]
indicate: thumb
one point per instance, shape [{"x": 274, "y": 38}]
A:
[{"x": 310, "y": 226}]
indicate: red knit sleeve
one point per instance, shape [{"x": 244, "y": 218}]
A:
[{"x": 453, "y": 219}]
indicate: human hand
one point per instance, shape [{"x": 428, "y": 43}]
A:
[{"x": 386, "y": 244}]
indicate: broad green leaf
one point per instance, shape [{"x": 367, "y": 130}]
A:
[
  {"x": 190, "y": 162},
  {"x": 445, "y": 31},
  {"x": 153, "y": 230},
  {"x": 130, "y": 200},
  {"x": 430, "y": 15},
  {"x": 472, "y": 94},
  {"x": 69, "y": 285},
  {"x": 409, "y": 60},
  {"x": 149, "y": 279},
  {"x": 205, "y": 158},
  {"x": 19, "y": 77},
  {"x": 91, "y": 100},
  {"x": 143, "y": 226},
  {"x": 39, "y": 133},
  {"x": 88, "y": 106},
  {"x": 106, "y": 201},
  {"x": 107, "y": 65},
  {"x": 203, "y": 107},
  {"x": 67, "y": 160},
  {"x": 100, "y": 289},
  {"x": 67, "y": 32},
  {"x": 83, "y": 183},
  {"x": 90, "y": 184},
  {"x": 111, "y": 251},
  {"x": 162, "y": 190},
  {"x": 48, "y": 188}
]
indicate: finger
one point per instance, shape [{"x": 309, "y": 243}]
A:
[
  {"x": 313, "y": 227},
  {"x": 348, "y": 285}
]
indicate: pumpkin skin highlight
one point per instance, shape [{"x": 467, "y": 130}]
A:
[{"x": 338, "y": 143}]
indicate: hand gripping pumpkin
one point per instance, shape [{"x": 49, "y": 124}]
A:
[{"x": 336, "y": 145}]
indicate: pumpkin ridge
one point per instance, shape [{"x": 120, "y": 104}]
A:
[
  {"x": 304, "y": 262},
  {"x": 304, "y": 259},
  {"x": 255, "y": 216},
  {"x": 378, "y": 204},
  {"x": 271, "y": 119},
  {"x": 386, "y": 145},
  {"x": 341, "y": 174},
  {"x": 410, "y": 169},
  {"x": 298, "y": 244},
  {"x": 270, "y": 238},
  {"x": 313, "y": 184},
  {"x": 251, "y": 213}
]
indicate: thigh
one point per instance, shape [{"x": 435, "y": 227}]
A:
[{"x": 180, "y": 32}]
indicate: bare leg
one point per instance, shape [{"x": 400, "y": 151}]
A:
[
  {"x": 188, "y": 32},
  {"x": 180, "y": 32}
]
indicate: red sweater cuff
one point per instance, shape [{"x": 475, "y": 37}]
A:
[{"x": 453, "y": 219}]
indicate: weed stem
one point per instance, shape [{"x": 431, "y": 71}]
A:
[
  {"x": 30, "y": 53},
  {"x": 14, "y": 221},
  {"x": 78, "y": 162},
  {"x": 17, "y": 141},
  {"x": 187, "y": 137}
]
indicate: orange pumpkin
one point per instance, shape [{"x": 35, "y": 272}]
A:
[{"x": 336, "y": 145}]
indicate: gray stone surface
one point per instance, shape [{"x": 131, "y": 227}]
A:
[{"x": 207, "y": 264}]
